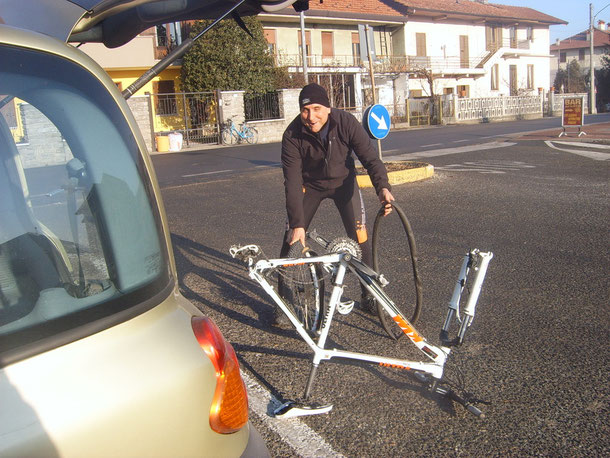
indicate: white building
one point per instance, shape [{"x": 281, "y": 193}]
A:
[{"x": 468, "y": 48}]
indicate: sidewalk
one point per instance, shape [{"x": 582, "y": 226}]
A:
[{"x": 594, "y": 132}]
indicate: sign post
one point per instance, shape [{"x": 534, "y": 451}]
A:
[
  {"x": 573, "y": 114},
  {"x": 376, "y": 121}
]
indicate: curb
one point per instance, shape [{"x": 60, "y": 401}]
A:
[{"x": 400, "y": 176}]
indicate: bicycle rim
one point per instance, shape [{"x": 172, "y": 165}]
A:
[
  {"x": 302, "y": 288},
  {"x": 252, "y": 135},
  {"x": 411, "y": 289}
]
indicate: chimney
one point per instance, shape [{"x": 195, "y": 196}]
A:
[{"x": 601, "y": 25}]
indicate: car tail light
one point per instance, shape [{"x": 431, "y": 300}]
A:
[{"x": 229, "y": 411}]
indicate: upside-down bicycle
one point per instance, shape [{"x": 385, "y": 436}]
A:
[{"x": 312, "y": 316}]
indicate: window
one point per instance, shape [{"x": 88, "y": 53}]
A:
[
  {"x": 356, "y": 48},
  {"x": 512, "y": 79},
  {"x": 463, "y": 91},
  {"x": 530, "y": 76},
  {"x": 79, "y": 238},
  {"x": 493, "y": 37},
  {"x": 420, "y": 44},
  {"x": 512, "y": 32},
  {"x": 271, "y": 41},
  {"x": 530, "y": 33},
  {"x": 464, "y": 52},
  {"x": 327, "y": 45},
  {"x": 162, "y": 35},
  {"x": 562, "y": 57},
  {"x": 165, "y": 95},
  {"x": 581, "y": 54},
  {"x": 495, "y": 77},
  {"x": 415, "y": 93}
]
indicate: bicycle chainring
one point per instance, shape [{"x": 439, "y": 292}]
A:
[{"x": 345, "y": 245}]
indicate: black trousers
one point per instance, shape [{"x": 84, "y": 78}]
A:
[{"x": 348, "y": 201}]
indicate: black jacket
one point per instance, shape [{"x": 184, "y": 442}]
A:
[{"x": 308, "y": 163}]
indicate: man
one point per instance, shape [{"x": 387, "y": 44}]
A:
[{"x": 318, "y": 164}]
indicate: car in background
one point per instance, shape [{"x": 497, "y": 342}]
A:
[{"x": 100, "y": 354}]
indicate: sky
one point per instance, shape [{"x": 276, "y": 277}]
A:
[{"x": 575, "y": 12}]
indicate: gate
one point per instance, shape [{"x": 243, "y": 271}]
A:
[{"x": 193, "y": 114}]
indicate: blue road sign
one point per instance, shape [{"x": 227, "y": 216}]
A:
[{"x": 376, "y": 121}]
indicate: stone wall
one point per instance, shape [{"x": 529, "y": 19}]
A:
[
  {"x": 141, "y": 108},
  {"x": 42, "y": 144}
]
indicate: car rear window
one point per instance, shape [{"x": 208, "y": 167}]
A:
[{"x": 80, "y": 236}]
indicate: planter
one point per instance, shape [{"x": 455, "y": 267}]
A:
[{"x": 398, "y": 172}]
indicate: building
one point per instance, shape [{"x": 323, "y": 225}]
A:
[
  {"x": 420, "y": 48},
  {"x": 578, "y": 47}
]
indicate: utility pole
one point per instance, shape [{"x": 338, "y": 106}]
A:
[
  {"x": 304, "y": 47},
  {"x": 372, "y": 75},
  {"x": 592, "y": 109}
]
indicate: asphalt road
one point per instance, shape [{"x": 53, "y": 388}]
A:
[
  {"x": 192, "y": 166},
  {"x": 537, "y": 349}
]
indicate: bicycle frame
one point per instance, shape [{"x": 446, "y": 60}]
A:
[
  {"x": 243, "y": 133},
  {"x": 341, "y": 263}
]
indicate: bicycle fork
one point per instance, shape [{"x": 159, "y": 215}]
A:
[{"x": 479, "y": 261}]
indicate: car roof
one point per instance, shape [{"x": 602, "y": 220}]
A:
[{"x": 115, "y": 22}]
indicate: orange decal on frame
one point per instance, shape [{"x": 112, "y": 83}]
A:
[{"x": 407, "y": 329}]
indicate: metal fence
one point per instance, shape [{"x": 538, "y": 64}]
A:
[
  {"x": 193, "y": 114},
  {"x": 428, "y": 111},
  {"x": 262, "y": 106}
]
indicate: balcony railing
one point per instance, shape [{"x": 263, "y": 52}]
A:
[
  {"x": 384, "y": 64},
  {"x": 508, "y": 43}
]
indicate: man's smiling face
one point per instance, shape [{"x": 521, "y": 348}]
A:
[{"x": 314, "y": 116}]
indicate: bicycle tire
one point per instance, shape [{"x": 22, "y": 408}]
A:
[
  {"x": 227, "y": 137},
  {"x": 252, "y": 135},
  {"x": 302, "y": 289},
  {"x": 414, "y": 309}
]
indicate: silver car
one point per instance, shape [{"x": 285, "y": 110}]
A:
[{"x": 100, "y": 355}]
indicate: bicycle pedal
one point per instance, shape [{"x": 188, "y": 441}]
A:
[
  {"x": 292, "y": 409},
  {"x": 345, "y": 307}
]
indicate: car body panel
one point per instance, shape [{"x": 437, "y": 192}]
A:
[{"x": 80, "y": 397}]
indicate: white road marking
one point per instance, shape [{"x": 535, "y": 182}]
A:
[
  {"x": 460, "y": 141},
  {"x": 432, "y": 144},
  {"x": 493, "y": 167},
  {"x": 300, "y": 437},
  {"x": 205, "y": 173},
  {"x": 445, "y": 151},
  {"x": 586, "y": 145},
  {"x": 595, "y": 155}
]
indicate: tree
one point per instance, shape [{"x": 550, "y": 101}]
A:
[
  {"x": 572, "y": 79},
  {"x": 227, "y": 58},
  {"x": 602, "y": 79}
]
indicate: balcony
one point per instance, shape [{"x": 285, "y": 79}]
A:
[{"x": 385, "y": 64}]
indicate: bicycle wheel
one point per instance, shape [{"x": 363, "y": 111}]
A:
[
  {"x": 406, "y": 293},
  {"x": 302, "y": 288},
  {"x": 251, "y": 135},
  {"x": 227, "y": 137}
]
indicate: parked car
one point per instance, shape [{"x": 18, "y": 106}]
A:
[{"x": 100, "y": 355}]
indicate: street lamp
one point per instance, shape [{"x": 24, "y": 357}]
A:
[{"x": 592, "y": 108}]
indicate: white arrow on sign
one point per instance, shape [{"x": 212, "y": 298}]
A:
[{"x": 380, "y": 121}]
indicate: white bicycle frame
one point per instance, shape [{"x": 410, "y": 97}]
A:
[{"x": 340, "y": 263}]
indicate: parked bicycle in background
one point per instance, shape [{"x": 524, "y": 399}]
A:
[{"x": 231, "y": 135}]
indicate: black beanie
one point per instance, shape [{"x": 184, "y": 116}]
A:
[{"x": 313, "y": 93}]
